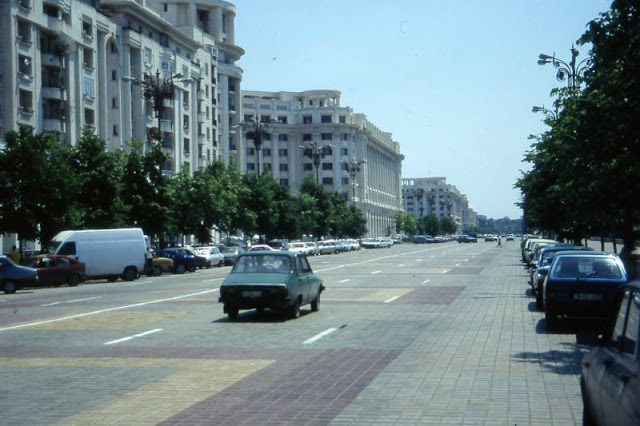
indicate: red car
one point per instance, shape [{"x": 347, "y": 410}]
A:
[{"x": 56, "y": 270}]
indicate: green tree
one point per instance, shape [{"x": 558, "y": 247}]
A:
[
  {"x": 36, "y": 186},
  {"x": 429, "y": 224},
  {"x": 447, "y": 225},
  {"x": 99, "y": 176}
]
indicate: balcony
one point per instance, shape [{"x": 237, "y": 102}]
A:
[
  {"x": 52, "y": 60},
  {"x": 50, "y": 92},
  {"x": 166, "y": 126},
  {"x": 54, "y": 125}
]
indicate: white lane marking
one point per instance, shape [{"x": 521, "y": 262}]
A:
[
  {"x": 345, "y": 280},
  {"x": 445, "y": 271},
  {"x": 392, "y": 299},
  {"x": 124, "y": 339},
  {"x": 211, "y": 280},
  {"x": 69, "y": 301},
  {"x": 401, "y": 265},
  {"x": 102, "y": 311},
  {"x": 418, "y": 260},
  {"x": 376, "y": 272},
  {"x": 319, "y": 336},
  {"x": 141, "y": 282},
  {"x": 426, "y": 281}
]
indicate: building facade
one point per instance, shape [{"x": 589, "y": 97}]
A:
[
  {"x": 124, "y": 69},
  {"x": 425, "y": 196},
  {"x": 310, "y": 134}
]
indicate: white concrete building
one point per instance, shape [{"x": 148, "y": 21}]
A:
[
  {"x": 425, "y": 196},
  {"x": 302, "y": 124},
  {"x": 71, "y": 64}
]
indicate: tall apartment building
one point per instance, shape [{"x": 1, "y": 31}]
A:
[
  {"x": 425, "y": 196},
  {"x": 71, "y": 64},
  {"x": 304, "y": 125}
]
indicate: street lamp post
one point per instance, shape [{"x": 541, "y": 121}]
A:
[
  {"x": 572, "y": 71},
  {"x": 317, "y": 153},
  {"x": 256, "y": 130},
  {"x": 157, "y": 91},
  {"x": 353, "y": 167}
]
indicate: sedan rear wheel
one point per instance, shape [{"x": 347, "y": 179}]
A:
[
  {"x": 315, "y": 305},
  {"x": 74, "y": 280},
  {"x": 9, "y": 287},
  {"x": 294, "y": 311}
]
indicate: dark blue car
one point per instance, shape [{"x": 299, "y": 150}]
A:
[{"x": 183, "y": 259}]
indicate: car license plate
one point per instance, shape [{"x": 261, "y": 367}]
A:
[
  {"x": 588, "y": 297},
  {"x": 252, "y": 294}
]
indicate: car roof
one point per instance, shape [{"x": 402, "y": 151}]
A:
[
  {"x": 585, "y": 253},
  {"x": 271, "y": 253}
]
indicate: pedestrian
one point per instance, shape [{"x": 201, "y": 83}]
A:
[
  {"x": 15, "y": 255},
  {"x": 499, "y": 240}
]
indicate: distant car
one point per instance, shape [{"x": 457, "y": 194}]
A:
[
  {"x": 14, "y": 277},
  {"x": 467, "y": 239},
  {"x": 609, "y": 379},
  {"x": 211, "y": 254},
  {"x": 230, "y": 254},
  {"x": 262, "y": 247},
  {"x": 56, "y": 270},
  {"x": 298, "y": 247},
  {"x": 327, "y": 247},
  {"x": 490, "y": 237},
  {"x": 582, "y": 285},
  {"x": 278, "y": 280},
  {"x": 160, "y": 265},
  {"x": 183, "y": 259}
]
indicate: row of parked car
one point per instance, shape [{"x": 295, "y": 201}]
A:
[{"x": 579, "y": 283}]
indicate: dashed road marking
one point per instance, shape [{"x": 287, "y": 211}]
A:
[
  {"x": 69, "y": 301},
  {"x": 319, "y": 336},
  {"x": 135, "y": 336}
]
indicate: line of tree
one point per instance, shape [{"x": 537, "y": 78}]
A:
[
  {"x": 406, "y": 223},
  {"x": 47, "y": 186},
  {"x": 584, "y": 178}
]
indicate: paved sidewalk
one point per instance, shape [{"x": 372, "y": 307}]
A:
[{"x": 488, "y": 360}]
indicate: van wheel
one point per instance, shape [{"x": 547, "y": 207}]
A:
[
  {"x": 180, "y": 269},
  {"x": 156, "y": 272},
  {"x": 74, "y": 280},
  {"x": 9, "y": 287},
  {"x": 130, "y": 273}
]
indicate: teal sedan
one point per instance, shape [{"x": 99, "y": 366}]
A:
[{"x": 278, "y": 280}]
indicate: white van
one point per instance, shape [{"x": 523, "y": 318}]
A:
[{"x": 106, "y": 253}]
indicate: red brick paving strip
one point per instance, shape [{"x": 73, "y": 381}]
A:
[{"x": 302, "y": 387}]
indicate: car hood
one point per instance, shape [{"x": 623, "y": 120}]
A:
[{"x": 241, "y": 278}]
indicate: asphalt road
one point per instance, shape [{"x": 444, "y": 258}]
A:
[{"x": 414, "y": 334}]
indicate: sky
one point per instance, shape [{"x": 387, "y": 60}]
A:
[{"x": 452, "y": 81}]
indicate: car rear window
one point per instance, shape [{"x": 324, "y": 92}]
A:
[
  {"x": 587, "y": 267},
  {"x": 263, "y": 263}
]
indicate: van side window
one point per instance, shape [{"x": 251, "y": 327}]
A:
[{"x": 68, "y": 248}]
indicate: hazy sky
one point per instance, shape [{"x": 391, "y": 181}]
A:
[{"x": 453, "y": 81}]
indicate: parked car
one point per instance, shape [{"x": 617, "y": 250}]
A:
[
  {"x": 160, "y": 265},
  {"x": 262, "y": 247},
  {"x": 298, "y": 247},
  {"x": 327, "y": 247},
  {"x": 278, "y": 280},
  {"x": 582, "y": 285},
  {"x": 56, "y": 270},
  {"x": 467, "y": 239},
  {"x": 540, "y": 267},
  {"x": 312, "y": 248},
  {"x": 490, "y": 237},
  {"x": 230, "y": 254},
  {"x": 211, "y": 254},
  {"x": 183, "y": 259},
  {"x": 14, "y": 277},
  {"x": 610, "y": 380}
]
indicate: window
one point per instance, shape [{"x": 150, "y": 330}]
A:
[
  {"x": 345, "y": 181},
  {"x": 344, "y": 152},
  {"x": 306, "y": 137},
  {"x": 342, "y": 119},
  {"x": 307, "y": 167},
  {"x": 114, "y": 75},
  {"x": 327, "y": 166},
  {"x": 251, "y": 166},
  {"x": 68, "y": 249},
  {"x": 327, "y": 150},
  {"x": 266, "y": 167},
  {"x": 283, "y": 152},
  {"x": 114, "y": 103},
  {"x": 327, "y": 181},
  {"x": 306, "y": 119},
  {"x": 265, "y": 118},
  {"x": 327, "y": 136},
  {"x": 325, "y": 119},
  {"x": 115, "y": 130},
  {"x": 282, "y": 119},
  {"x": 266, "y": 152},
  {"x": 284, "y": 167},
  {"x": 283, "y": 137},
  {"x": 284, "y": 182},
  {"x": 344, "y": 136},
  {"x": 248, "y": 117},
  {"x": 88, "y": 88},
  {"x": 250, "y": 151}
]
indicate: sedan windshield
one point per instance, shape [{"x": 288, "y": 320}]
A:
[{"x": 587, "y": 267}]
